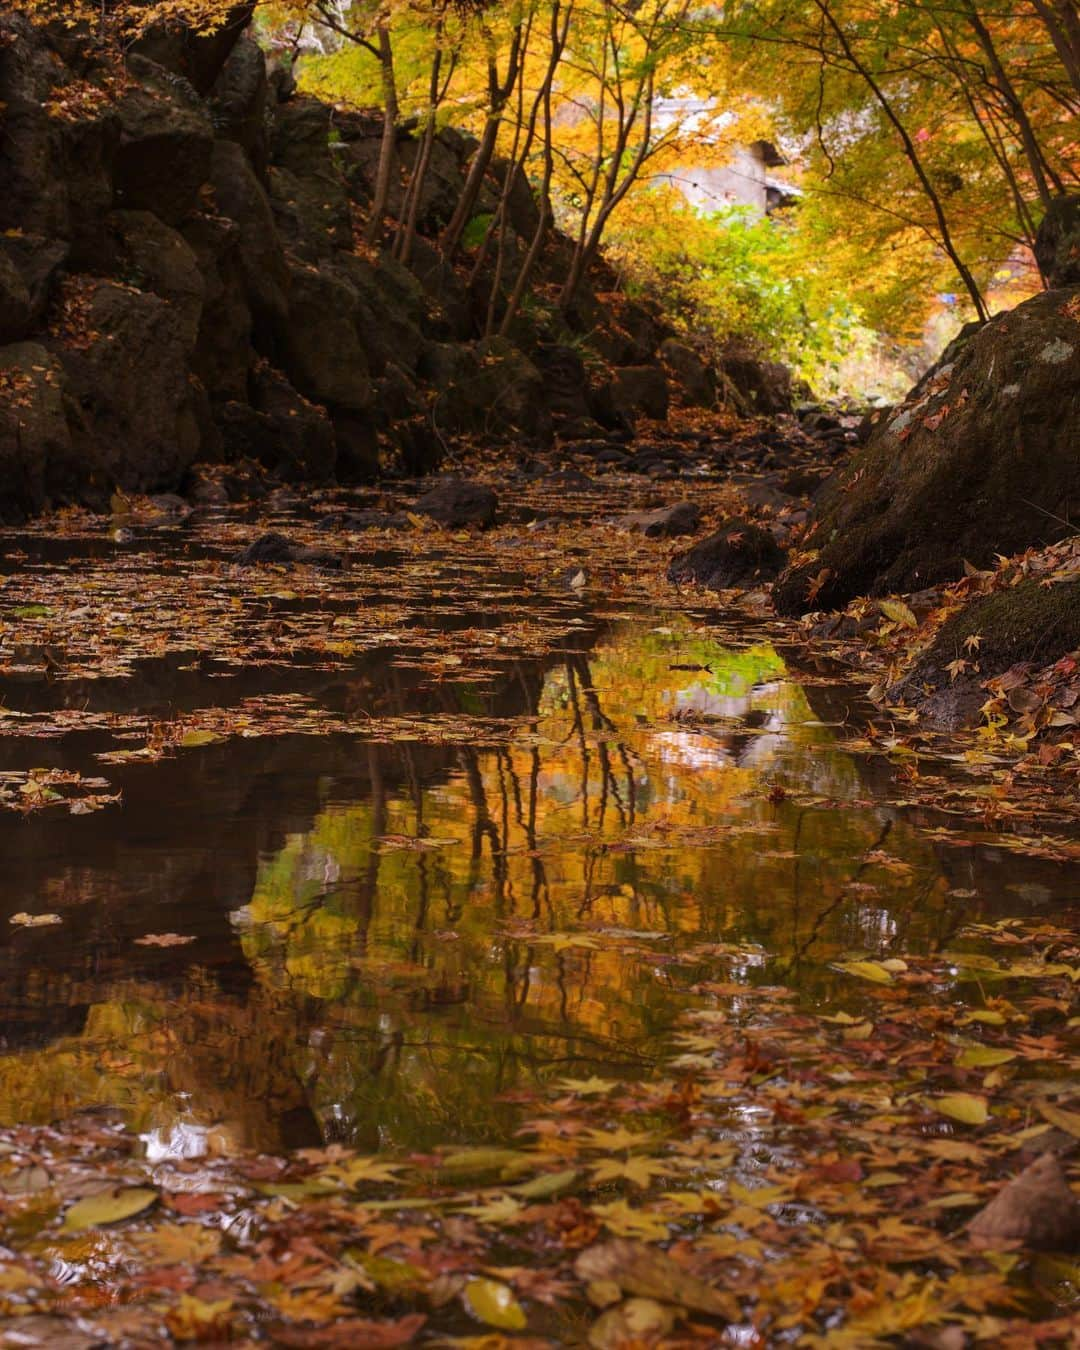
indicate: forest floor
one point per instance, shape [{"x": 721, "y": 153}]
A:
[{"x": 805, "y": 1160}]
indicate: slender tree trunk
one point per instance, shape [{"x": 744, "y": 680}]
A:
[
  {"x": 945, "y": 233},
  {"x": 498, "y": 93},
  {"x": 1041, "y": 172},
  {"x": 410, "y": 208},
  {"x": 384, "y": 176},
  {"x": 1062, "y": 21}
]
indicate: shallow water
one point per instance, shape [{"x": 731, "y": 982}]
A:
[{"x": 396, "y": 940}]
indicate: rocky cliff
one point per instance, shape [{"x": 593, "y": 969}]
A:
[{"x": 183, "y": 283}]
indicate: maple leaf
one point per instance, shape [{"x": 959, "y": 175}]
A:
[
  {"x": 639, "y": 1171},
  {"x": 618, "y": 1139},
  {"x": 624, "y": 1220}
]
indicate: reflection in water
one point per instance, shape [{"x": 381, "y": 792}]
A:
[{"x": 455, "y": 924}]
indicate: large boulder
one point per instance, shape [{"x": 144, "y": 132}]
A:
[
  {"x": 322, "y": 352},
  {"x": 455, "y": 503},
  {"x": 765, "y": 386},
  {"x": 38, "y": 263},
  {"x": 641, "y": 389},
  {"x": 34, "y": 440},
  {"x": 133, "y": 410},
  {"x": 735, "y": 554},
  {"x": 307, "y": 188},
  {"x": 280, "y": 429},
  {"x": 198, "y": 57},
  {"x": 697, "y": 381},
  {"x": 15, "y": 308},
  {"x": 1057, "y": 244},
  {"x": 566, "y": 383},
  {"x": 239, "y": 99},
  {"x": 58, "y": 139},
  {"x": 166, "y": 142},
  {"x": 980, "y": 461},
  {"x": 222, "y": 354},
  {"x": 388, "y": 309},
  {"x": 486, "y": 387},
  {"x": 139, "y": 250},
  {"x": 239, "y": 195}
]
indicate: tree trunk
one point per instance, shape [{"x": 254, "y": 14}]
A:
[{"x": 384, "y": 176}]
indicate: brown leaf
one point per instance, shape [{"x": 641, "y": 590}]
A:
[
  {"x": 356, "y": 1333},
  {"x": 1036, "y": 1209},
  {"x": 649, "y": 1272}
]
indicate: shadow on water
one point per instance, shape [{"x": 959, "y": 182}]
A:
[{"x": 395, "y": 941}]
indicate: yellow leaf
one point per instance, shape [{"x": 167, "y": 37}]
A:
[
  {"x": 962, "y": 1106},
  {"x": 495, "y": 1304},
  {"x": 898, "y": 612},
  {"x": 866, "y": 970}
]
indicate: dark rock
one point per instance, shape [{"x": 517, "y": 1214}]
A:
[
  {"x": 280, "y": 429},
  {"x": 641, "y": 389},
  {"x": 275, "y": 548},
  {"x": 198, "y": 57},
  {"x": 449, "y": 316},
  {"x": 387, "y": 310},
  {"x": 139, "y": 250},
  {"x": 454, "y": 504},
  {"x": 737, "y": 553},
  {"x": 566, "y": 385},
  {"x": 35, "y": 444},
  {"x": 979, "y": 461},
  {"x": 132, "y": 406},
  {"x": 665, "y": 523},
  {"x": 357, "y": 445},
  {"x": 570, "y": 480},
  {"x": 239, "y": 195},
  {"x": 1036, "y": 1209},
  {"x": 358, "y": 522},
  {"x": 56, "y": 171},
  {"x": 522, "y": 208},
  {"x": 238, "y": 102},
  {"x": 1057, "y": 243},
  {"x": 38, "y": 262},
  {"x": 15, "y": 308},
  {"x": 698, "y": 382},
  {"x": 1028, "y": 623},
  {"x": 322, "y": 352},
  {"x": 222, "y": 355},
  {"x": 166, "y": 142},
  {"x": 489, "y": 387},
  {"x": 765, "y": 385},
  {"x": 306, "y": 186}
]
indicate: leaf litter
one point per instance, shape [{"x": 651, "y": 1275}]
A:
[{"x": 851, "y": 1174}]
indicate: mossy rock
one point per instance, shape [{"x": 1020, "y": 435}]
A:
[{"x": 980, "y": 461}]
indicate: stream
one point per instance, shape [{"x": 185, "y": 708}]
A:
[{"x": 393, "y": 940}]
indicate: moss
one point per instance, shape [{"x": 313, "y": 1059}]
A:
[{"x": 1031, "y": 623}]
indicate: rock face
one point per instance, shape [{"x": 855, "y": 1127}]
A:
[
  {"x": 737, "y": 553},
  {"x": 667, "y": 522},
  {"x": 455, "y": 504},
  {"x": 981, "y": 459},
  {"x": 1057, "y": 244},
  {"x": 180, "y": 246}
]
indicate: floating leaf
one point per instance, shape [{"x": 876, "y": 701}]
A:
[
  {"x": 866, "y": 970},
  {"x": 651, "y": 1273},
  {"x": 962, "y": 1106},
  {"x": 983, "y": 1057},
  {"x": 190, "y": 739},
  {"x": 95, "y": 1211},
  {"x": 638, "y": 1321},
  {"x": 495, "y": 1304},
  {"x": 1069, "y": 1121},
  {"x": 24, "y": 920}
]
